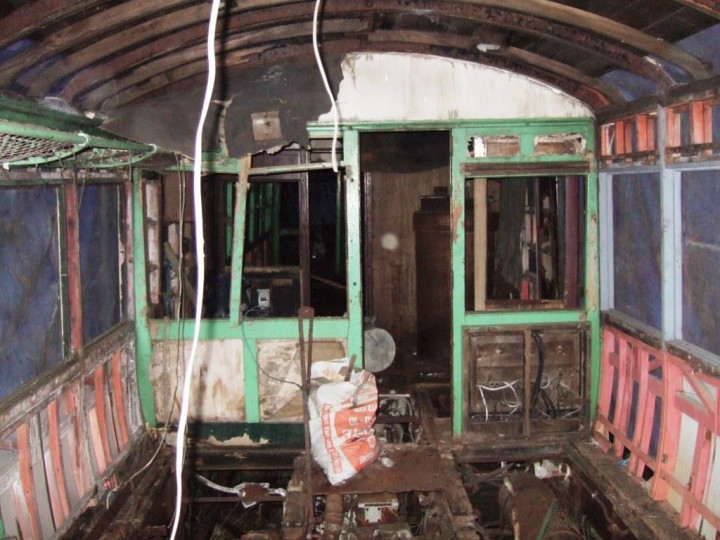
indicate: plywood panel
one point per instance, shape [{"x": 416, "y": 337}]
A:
[
  {"x": 218, "y": 391},
  {"x": 279, "y": 375}
]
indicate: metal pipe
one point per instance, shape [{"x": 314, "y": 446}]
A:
[
  {"x": 79, "y": 138},
  {"x": 333, "y": 516}
]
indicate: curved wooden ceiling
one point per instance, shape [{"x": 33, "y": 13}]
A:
[{"x": 102, "y": 54}]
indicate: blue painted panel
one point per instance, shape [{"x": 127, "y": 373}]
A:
[
  {"x": 30, "y": 323},
  {"x": 100, "y": 275},
  {"x": 701, "y": 258},
  {"x": 637, "y": 246}
]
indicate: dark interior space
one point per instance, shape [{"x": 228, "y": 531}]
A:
[{"x": 406, "y": 246}]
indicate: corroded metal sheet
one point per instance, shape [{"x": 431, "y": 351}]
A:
[{"x": 412, "y": 468}]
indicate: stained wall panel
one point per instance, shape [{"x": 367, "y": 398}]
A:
[
  {"x": 637, "y": 246},
  {"x": 30, "y": 322},
  {"x": 100, "y": 274},
  {"x": 700, "y": 195}
]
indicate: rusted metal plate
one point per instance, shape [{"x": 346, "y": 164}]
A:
[{"x": 415, "y": 468}]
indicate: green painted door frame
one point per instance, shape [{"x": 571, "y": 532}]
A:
[
  {"x": 528, "y": 131},
  {"x": 350, "y": 328}
]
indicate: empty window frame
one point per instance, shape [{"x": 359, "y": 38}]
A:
[
  {"x": 294, "y": 251},
  {"x": 637, "y": 246},
  {"x": 101, "y": 234},
  {"x": 525, "y": 242},
  {"x": 31, "y": 337},
  {"x": 171, "y": 250},
  {"x": 700, "y": 193}
]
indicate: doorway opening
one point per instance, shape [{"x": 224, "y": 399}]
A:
[{"x": 406, "y": 249}]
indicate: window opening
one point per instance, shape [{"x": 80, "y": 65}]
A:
[
  {"x": 524, "y": 242},
  {"x": 294, "y": 251},
  {"x": 172, "y": 253}
]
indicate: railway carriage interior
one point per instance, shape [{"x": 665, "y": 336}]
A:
[{"x": 283, "y": 269}]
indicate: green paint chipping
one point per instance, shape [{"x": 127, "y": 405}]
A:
[
  {"x": 527, "y": 131},
  {"x": 268, "y": 435},
  {"x": 351, "y": 146},
  {"x": 351, "y": 328},
  {"x": 238, "y": 241},
  {"x": 143, "y": 344},
  {"x": 252, "y": 383}
]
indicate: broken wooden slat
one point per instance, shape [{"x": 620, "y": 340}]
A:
[
  {"x": 27, "y": 479},
  {"x": 76, "y": 441},
  {"x": 58, "y": 495},
  {"x": 116, "y": 375},
  {"x": 100, "y": 411},
  {"x": 21, "y": 512},
  {"x": 620, "y": 137},
  {"x": 622, "y": 399},
  {"x": 698, "y": 476},
  {"x": 96, "y": 440},
  {"x": 670, "y": 431},
  {"x": 697, "y": 123}
]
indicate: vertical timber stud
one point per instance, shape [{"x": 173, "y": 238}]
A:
[
  {"x": 480, "y": 241},
  {"x": 671, "y": 236},
  {"x": 607, "y": 248},
  {"x": 59, "y": 514},
  {"x": 457, "y": 235},
  {"x": 592, "y": 274},
  {"x": 351, "y": 147},
  {"x": 304, "y": 202},
  {"x": 252, "y": 399},
  {"x": 72, "y": 237},
  {"x": 143, "y": 342},
  {"x": 27, "y": 479}
]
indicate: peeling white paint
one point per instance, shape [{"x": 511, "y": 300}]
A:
[
  {"x": 411, "y": 87},
  {"x": 218, "y": 392},
  {"x": 279, "y": 375},
  {"x": 685, "y": 456},
  {"x": 712, "y": 497},
  {"x": 245, "y": 440}
]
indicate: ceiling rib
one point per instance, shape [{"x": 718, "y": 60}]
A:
[
  {"x": 112, "y": 44},
  {"x": 24, "y": 20},
  {"x": 622, "y": 58},
  {"x": 548, "y": 10},
  {"x": 237, "y": 60},
  {"x": 157, "y": 32},
  {"x": 708, "y": 7},
  {"x": 89, "y": 30},
  {"x": 256, "y": 40}
]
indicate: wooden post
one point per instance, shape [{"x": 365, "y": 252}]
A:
[
  {"x": 72, "y": 232},
  {"x": 641, "y": 127},
  {"x": 619, "y": 137},
  {"x": 527, "y": 385},
  {"x": 480, "y": 242},
  {"x": 61, "y": 508},
  {"x": 305, "y": 241},
  {"x": 27, "y": 479},
  {"x": 572, "y": 248}
]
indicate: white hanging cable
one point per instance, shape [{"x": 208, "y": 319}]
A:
[
  {"x": 200, "y": 252},
  {"x": 336, "y": 115}
]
